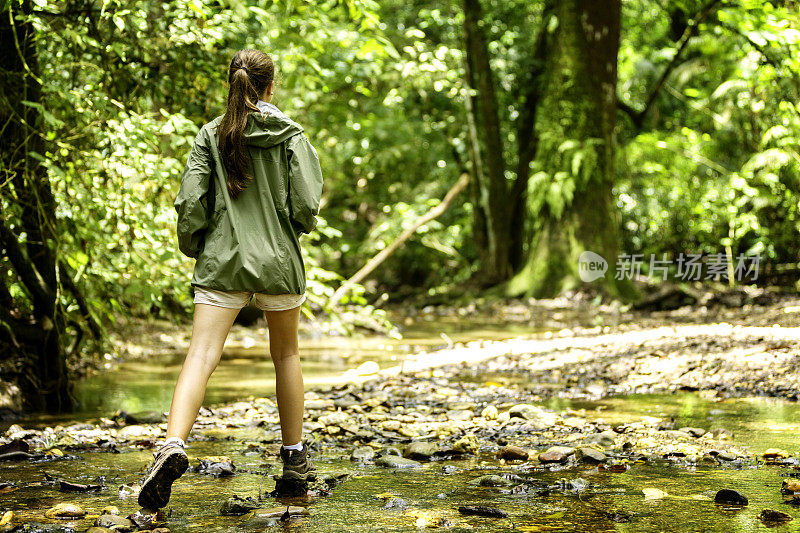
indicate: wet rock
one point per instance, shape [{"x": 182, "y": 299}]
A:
[
  {"x": 262, "y": 518},
  {"x": 395, "y": 503},
  {"x": 362, "y": 454},
  {"x": 489, "y": 412},
  {"x": 393, "y": 461},
  {"x": 96, "y": 529},
  {"x": 722, "y": 455},
  {"x": 69, "y": 486},
  {"x": 790, "y": 488},
  {"x": 334, "y": 419},
  {"x": 589, "y": 455},
  {"x": 420, "y": 451},
  {"x": 389, "y": 450},
  {"x": 466, "y": 444},
  {"x": 479, "y": 510},
  {"x": 36, "y": 527},
  {"x": 136, "y": 432},
  {"x": 512, "y": 453},
  {"x": 65, "y": 510},
  {"x": 775, "y": 455},
  {"x": 675, "y": 434},
  {"x": 721, "y": 433},
  {"x": 605, "y": 439},
  {"x": 217, "y": 466},
  {"x": 141, "y": 417},
  {"x": 730, "y": 497},
  {"x": 490, "y": 480},
  {"x": 319, "y": 404},
  {"x": 110, "y": 509},
  {"x": 531, "y": 412},
  {"x": 128, "y": 490},
  {"x": 460, "y": 415},
  {"x": 236, "y": 505},
  {"x": 115, "y": 522},
  {"x": 771, "y": 516},
  {"x": 694, "y": 432},
  {"x": 146, "y": 518},
  {"x": 556, "y": 454}
]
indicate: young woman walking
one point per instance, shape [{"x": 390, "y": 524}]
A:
[{"x": 251, "y": 186}]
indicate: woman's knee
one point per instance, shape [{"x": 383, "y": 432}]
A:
[{"x": 284, "y": 355}]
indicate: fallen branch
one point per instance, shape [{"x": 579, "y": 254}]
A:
[{"x": 373, "y": 263}]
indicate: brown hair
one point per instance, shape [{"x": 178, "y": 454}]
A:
[{"x": 249, "y": 75}]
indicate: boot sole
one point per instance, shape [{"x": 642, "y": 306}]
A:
[
  {"x": 157, "y": 488},
  {"x": 291, "y": 475}
]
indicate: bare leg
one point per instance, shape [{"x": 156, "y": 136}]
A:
[
  {"x": 209, "y": 331},
  {"x": 288, "y": 376}
]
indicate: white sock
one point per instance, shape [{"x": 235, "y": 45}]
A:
[
  {"x": 176, "y": 440},
  {"x": 295, "y": 447}
]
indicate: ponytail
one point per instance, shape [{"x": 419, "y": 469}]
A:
[{"x": 249, "y": 75}]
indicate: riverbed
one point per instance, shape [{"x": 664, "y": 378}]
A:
[{"x": 668, "y": 486}]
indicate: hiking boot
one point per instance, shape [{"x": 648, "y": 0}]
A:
[
  {"x": 296, "y": 465},
  {"x": 169, "y": 463}
]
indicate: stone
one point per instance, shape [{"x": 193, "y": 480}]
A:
[
  {"x": 362, "y": 454},
  {"x": 420, "y": 450},
  {"x": 96, "y": 529},
  {"x": 730, "y": 497},
  {"x": 605, "y": 439},
  {"x": 136, "y": 432},
  {"x": 480, "y": 510},
  {"x": 393, "y": 461},
  {"x": 265, "y": 518},
  {"x": 460, "y": 415},
  {"x": 489, "y": 412},
  {"x": 512, "y": 453},
  {"x": 694, "y": 432},
  {"x": 771, "y": 516},
  {"x": 390, "y": 450},
  {"x": 319, "y": 404},
  {"x": 466, "y": 444},
  {"x": 556, "y": 454},
  {"x": 490, "y": 480},
  {"x": 65, "y": 510},
  {"x": 775, "y": 455},
  {"x": 721, "y": 433},
  {"x": 213, "y": 465},
  {"x": 236, "y": 505},
  {"x": 589, "y": 455},
  {"x": 115, "y": 522}
]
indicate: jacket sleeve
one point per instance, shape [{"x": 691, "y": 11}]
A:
[
  {"x": 192, "y": 200},
  {"x": 305, "y": 183}
]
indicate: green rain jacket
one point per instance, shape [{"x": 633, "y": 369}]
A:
[{"x": 250, "y": 243}]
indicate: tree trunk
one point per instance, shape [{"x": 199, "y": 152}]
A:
[
  {"x": 33, "y": 328},
  {"x": 570, "y": 199},
  {"x": 492, "y": 214}
]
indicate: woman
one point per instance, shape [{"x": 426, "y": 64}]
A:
[{"x": 251, "y": 186}]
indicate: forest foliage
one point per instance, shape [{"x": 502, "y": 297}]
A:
[{"x": 706, "y": 138}]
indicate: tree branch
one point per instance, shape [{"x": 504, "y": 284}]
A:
[{"x": 691, "y": 31}]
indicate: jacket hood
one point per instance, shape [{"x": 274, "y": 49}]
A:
[{"x": 266, "y": 130}]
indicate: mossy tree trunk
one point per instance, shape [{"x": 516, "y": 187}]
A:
[
  {"x": 32, "y": 322},
  {"x": 490, "y": 192},
  {"x": 570, "y": 189}
]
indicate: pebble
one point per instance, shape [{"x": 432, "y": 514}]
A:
[
  {"x": 489, "y": 412},
  {"x": 420, "y": 450},
  {"x": 490, "y": 480},
  {"x": 115, "y": 522},
  {"x": 605, "y": 439},
  {"x": 771, "y": 516},
  {"x": 467, "y": 444},
  {"x": 362, "y": 454},
  {"x": 590, "y": 455},
  {"x": 556, "y": 454},
  {"x": 65, "y": 510},
  {"x": 512, "y": 453},
  {"x": 236, "y": 505},
  {"x": 730, "y": 497},
  {"x": 265, "y": 518},
  {"x": 694, "y": 432},
  {"x": 393, "y": 461}
]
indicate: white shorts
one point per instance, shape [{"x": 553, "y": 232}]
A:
[{"x": 239, "y": 299}]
